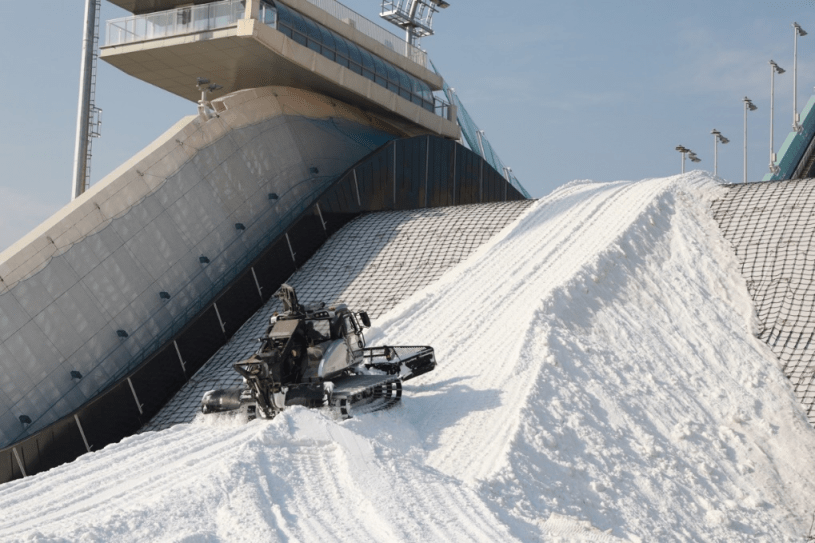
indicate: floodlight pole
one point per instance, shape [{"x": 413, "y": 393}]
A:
[
  {"x": 748, "y": 106},
  {"x": 774, "y": 68},
  {"x": 84, "y": 107},
  {"x": 798, "y": 31},
  {"x": 717, "y": 138}
]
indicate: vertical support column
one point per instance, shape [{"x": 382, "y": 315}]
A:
[
  {"x": 82, "y": 433},
  {"x": 394, "y": 173},
  {"x": 252, "y": 9},
  {"x": 257, "y": 284},
  {"x": 481, "y": 181},
  {"x": 19, "y": 462},
  {"x": 180, "y": 359},
  {"x": 84, "y": 108},
  {"x": 427, "y": 174},
  {"x": 455, "y": 153}
]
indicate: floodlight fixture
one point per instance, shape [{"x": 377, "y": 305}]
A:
[
  {"x": 717, "y": 138},
  {"x": 25, "y": 420},
  {"x": 213, "y": 87},
  {"x": 201, "y": 82},
  {"x": 122, "y": 334},
  {"x": 164, "y": 295},
  {"x": 75, "y": 375},
  {"x": 690, "y": 154}
]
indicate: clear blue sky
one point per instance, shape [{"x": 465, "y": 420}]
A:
[{"x": 584, "y": 89}]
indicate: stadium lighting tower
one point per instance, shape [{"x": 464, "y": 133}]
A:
[
  {"x": 415, "y": 17},
  {"x": 795, "y": 117},
  {"x": 717, "y": 138},
  {"x": 690, "y": 154},
  {"x": 748, "y": 106},
  {"x": 774, "y": 69}
]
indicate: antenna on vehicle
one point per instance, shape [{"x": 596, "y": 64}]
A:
[{"x": 415, "y": 17}]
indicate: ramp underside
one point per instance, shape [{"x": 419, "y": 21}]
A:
[{"x": 373, "y": 263}]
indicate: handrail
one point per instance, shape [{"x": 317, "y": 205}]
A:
[
  {"x": 173, "y": 22},
  {"x": 372, "y": 30}
]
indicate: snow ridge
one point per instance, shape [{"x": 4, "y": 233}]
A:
[{"x": 598, "y": 380}]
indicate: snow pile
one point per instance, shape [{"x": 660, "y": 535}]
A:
[{"x": 598, "y": 381}]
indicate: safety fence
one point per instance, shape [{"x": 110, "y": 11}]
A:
[{"x": 770, "y": 226}]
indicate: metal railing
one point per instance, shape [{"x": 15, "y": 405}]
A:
[
  {"x": 174, "y": 22},
  {"x": 372, "y": 30}
]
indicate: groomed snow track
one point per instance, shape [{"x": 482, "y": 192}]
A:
[
  {"x": 373, "y": 263},
  {"x": 599, "y": 380}
]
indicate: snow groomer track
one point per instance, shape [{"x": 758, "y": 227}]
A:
[
  {"x": 598, "y": 379},
  {"x": 373, "y": 263}
]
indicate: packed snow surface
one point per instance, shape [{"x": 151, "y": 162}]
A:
[{"x": 598, "y": 380}]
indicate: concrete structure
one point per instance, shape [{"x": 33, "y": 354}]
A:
[
  {"x": 99, "y": 264},
  {"x": 242, "y": 49},
  {"x": 111, "y": 305}
]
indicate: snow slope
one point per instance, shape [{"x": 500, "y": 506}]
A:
[{"x": 598, "y": 380}]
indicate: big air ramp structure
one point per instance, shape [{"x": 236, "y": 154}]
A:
[
  {"x": 310, "y": 116},
  {"x": 110, "y": 306}
]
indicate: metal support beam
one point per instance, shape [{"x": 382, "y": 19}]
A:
[
  {"x": 356, "y": 186},
  {"x": 290, "y": 249},
  {"x": 257, "y": 284},
  {"x": 19, "y": 462},
  {"x": 82, "y": 433},
  {"x": 322, "y": 221},
  {"x": 180, "y": 359},
  {"x": 220, "y": 320},
  {"x": 133, "y": 390}
]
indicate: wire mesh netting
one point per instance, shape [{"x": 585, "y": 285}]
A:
[
  {"x": 770, "y": 226},
  {"x": 372, "y": 264}
]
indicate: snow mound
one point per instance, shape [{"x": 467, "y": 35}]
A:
[{"x": 598, "y": 380}]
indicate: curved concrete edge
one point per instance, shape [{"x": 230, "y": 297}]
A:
[
  {"x": 386, "y": 179},
  {"x": 150, "y": 167},
  {"x": 86, "y": 291}
]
